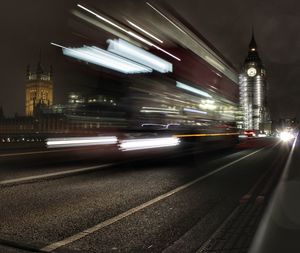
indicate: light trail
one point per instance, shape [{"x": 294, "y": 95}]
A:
[
  {"x": 149, "y": 143},
  {"x": 165, "y": 17},
  {"x": 144, "y": 31},
  {"x": 132, "y": 34},
  {"x": 80, "y": 141},
  {"x": 204, "y": 135}
]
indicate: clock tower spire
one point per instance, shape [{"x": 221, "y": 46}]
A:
[
  {"x": 253, "y": 56},
  {"x": 252, "y": 45}
]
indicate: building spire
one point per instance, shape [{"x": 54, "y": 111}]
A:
[
  {"x": 253, "y": 53},
  {"x": 252, "y": 44}
]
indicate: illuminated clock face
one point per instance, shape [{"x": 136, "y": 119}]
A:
[{"x": 251, "y": 71}]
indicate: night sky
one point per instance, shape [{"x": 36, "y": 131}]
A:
[{"x": 28, "y": 26}]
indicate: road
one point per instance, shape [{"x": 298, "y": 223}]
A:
[{"x": 91, "y": 200}]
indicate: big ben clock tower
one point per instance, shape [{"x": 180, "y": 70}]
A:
[
  {"x": 39, "y": 89},
  {"x": 252, "y": 81}
]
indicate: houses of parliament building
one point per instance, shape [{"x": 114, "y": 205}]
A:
[
  {"x": 39, "y": 88},
  {"x": 78, "y": 116}
]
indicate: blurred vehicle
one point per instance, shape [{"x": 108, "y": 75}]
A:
[{"x": 249, "y": 133}]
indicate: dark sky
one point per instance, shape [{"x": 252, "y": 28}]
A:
[{"x": 28, "y": 26}]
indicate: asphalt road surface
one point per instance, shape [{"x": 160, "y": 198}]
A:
[{"x": 92, "y": 200}]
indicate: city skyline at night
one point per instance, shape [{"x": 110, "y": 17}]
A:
[
  {"x": 149, "y": 126},
  {"x": 73, "y": 76}
]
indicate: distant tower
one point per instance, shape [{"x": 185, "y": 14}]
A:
[
  {"x": 39, "y": 88},
  {"x": 252, "y": 81}
]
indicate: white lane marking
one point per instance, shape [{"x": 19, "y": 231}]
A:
[
  {"x": 289, "y": 160},
  {"x": 73, "y": 238},
  {"x": 68, "y": 172},
  {"x": 53, "y": 174},
  {"x": 36, "y": 152}
]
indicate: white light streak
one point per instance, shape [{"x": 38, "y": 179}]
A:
[
  {"x": 144, "y": 31},
  {"x": 57, "y": 45},
  {"x": 194, "y": 111},
  {"x": 151, "y": 44},
  {"x": 192, "y": 89},
  {"x": 214, "y": 63},
  {"x": 165, "y": 17},
  {"x": 128, "y": 32},
  {"x": 122, "y": 61},
  {"x": 149, "y": 109},
  {"x": 102, "y": 18},
  {"x": 159, "y": 108},
  {"x": 158, "y": 111},
  {"x": 104, "y": 58},
  {"x": 166, "y": 52},
  {"x": 134, "y": 53},
  {"x": 80, "y": 141},
  {"x": 149, "y": 143},
  {"x": 262, "y": 135},
  {"x": 208, "y": 104}
]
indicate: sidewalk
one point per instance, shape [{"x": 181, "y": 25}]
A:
[{"x": 279, "y": 230}]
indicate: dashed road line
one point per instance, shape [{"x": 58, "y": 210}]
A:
[
  {"x": 53, "y": 174},
  {"x": 37, "y": 152}
]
